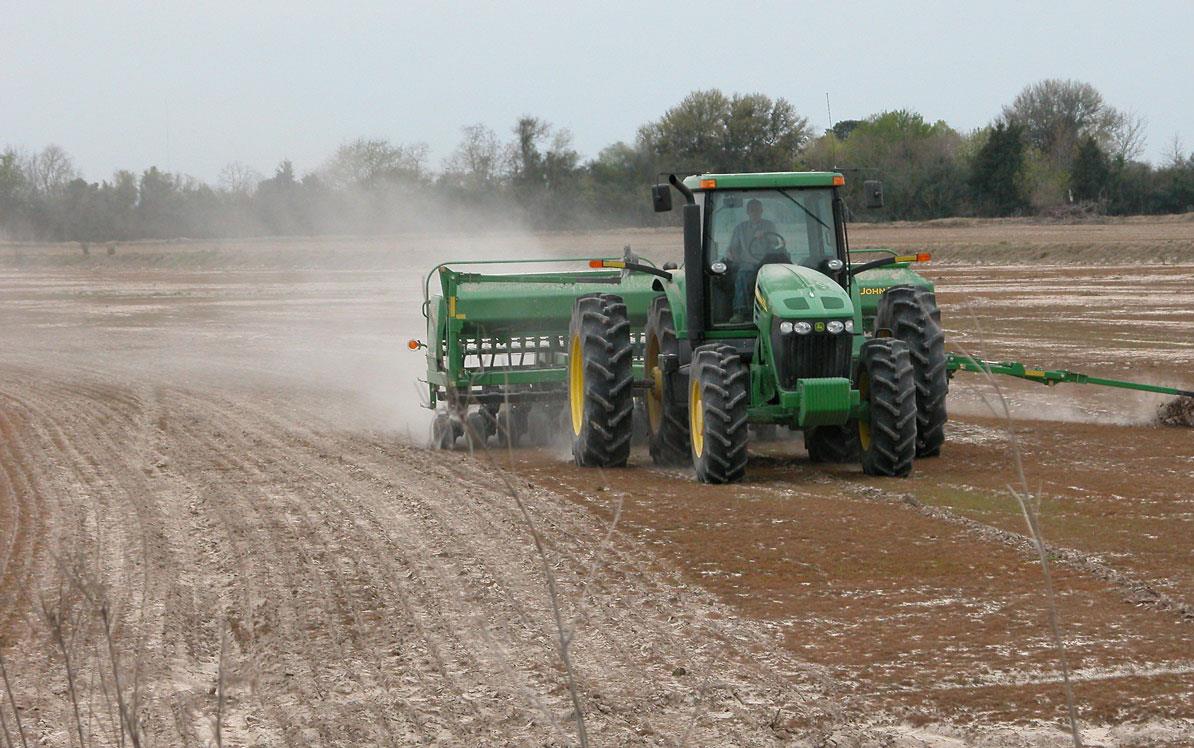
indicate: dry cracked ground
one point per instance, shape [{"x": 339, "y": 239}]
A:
[{"x": 218, "y": 524}]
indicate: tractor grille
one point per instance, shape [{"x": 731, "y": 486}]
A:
[{"x": 812, "y": 356}]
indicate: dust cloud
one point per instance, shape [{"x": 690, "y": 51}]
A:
[{"x": 317, "y": 326}]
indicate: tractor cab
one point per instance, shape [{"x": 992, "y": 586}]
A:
[{"x": 745, "y": 229}]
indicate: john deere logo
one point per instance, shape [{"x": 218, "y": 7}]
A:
[
  {"x": 871, "y": 291},
  {"x": 820, "y": 327}
]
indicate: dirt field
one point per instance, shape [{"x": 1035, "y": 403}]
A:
[{"x": 212, "y": 487}]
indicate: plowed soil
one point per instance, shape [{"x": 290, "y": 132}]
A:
[{"x": 211, "y": 459}]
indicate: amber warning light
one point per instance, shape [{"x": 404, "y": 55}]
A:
[{"x": 414, "y": 345}]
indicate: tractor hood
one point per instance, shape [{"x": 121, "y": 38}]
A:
[{"x": 797, "y": 292}]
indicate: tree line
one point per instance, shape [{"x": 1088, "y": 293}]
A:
[{"x": 1057, "y": 148}]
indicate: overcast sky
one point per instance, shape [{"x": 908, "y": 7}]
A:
[{"x": 191, "y": 87}]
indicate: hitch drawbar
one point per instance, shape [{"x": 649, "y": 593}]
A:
[{"x": 957, "y": 361}]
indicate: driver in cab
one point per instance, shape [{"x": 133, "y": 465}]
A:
[{"x": 751, "y": 245}]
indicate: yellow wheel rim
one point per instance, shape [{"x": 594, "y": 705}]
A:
[
  {"x": 864, "y": 424},
  {"x": 696, "y": 417},
  {"x": 655, "y": 394},
  {"x": 576, "y": 385}
]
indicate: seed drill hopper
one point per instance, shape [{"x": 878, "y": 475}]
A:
[{"x": 497, "y": 344}]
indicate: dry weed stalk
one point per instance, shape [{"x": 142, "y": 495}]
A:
[
  {"x": 563, "y": 635},
  {"x": 1030, "y": 505},
  {"x": 219, "y": 737},
  {"x": 12, "y": 702}
]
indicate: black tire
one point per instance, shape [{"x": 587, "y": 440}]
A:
[
  {"x": 511, "y": 424},
  {"x": 719, "y": 393},
  {"x": 599, "y": 376},
  {"x": 887, "y": 436},
  {"x": 833, "y": 444},
  {"x": 443, "y": 434},
  {"x": 913, "y": 317},
  {"x": 478, "y": 426},
  {"x": 667, "y": 401}
]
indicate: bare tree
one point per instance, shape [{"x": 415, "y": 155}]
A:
[
  {"x": 1177, "y": 153},
  {"x": 1055, "y": 113},
  {"x": 366, "y": 161},
  {"x": 239, "y": 178},
  {"x": 1127, "y": 139},
  {"x": 476, "y": 163},
  {"x": 49, "y": 171}
]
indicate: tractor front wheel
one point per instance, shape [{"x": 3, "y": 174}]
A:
[
  {"x": 887, "y": 431},
  {"x": 600, "y": 401},
  {"x": 913, "y": 317},
  {"x": 717, "y": 401},
  {"x": 667, "y": 400}
]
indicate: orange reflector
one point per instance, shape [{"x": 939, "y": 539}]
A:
[
  {"x": 596, "y": 263},
  {"x": 708, "y": 184},
  {"x": 838, "y": 180},
  {"x": 923, "y": 257},
  {"x": 412, "y": 344}
]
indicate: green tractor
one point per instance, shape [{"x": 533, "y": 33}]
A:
[
  {"x": 771, "y": 322},
  {"x": 767, "y": 322}
]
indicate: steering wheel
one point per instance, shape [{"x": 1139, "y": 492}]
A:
[{"x": 759, "y": 256}]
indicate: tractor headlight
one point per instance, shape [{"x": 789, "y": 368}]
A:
[
  {"x": 834, "y": 326},
  {"x": 850, "y": 325},
  {"x": 802, "y": 328},
  {"x": 785, "y": 327}
]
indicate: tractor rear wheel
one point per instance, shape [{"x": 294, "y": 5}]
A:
[
  {"x": 913, "y": 317},
  {"x": 667, "y": 403},
  {"x": 887, "y": 433},
  {"x": 718, "y": 397},
  {"x": 832, "y": 443},
  {"x": 599, "y": 375}
]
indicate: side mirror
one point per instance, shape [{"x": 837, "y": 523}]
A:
[
  {"x": 661, "y": 197},
  {"x": 872, "y": 191}
]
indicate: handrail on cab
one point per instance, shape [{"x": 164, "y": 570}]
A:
[{"x": 874, "y": 250}]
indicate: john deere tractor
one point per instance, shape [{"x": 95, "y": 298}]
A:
[
  {"x": 767, "y": 322},
  {"x": 772, "y": 321}
]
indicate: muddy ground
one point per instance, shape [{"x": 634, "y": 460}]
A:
[{"x": 210, "y": 457}]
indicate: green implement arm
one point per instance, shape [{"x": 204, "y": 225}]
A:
[{"x": 957, "y": 361}]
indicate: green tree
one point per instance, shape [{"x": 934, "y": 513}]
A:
[
  {"x": 995, "y": 177},
  {"x": 543, "y": 170},
  {"x": 711, "y": 132},
  {"x": 617, "y": 187},
  {"x": 843, "y": 128},
  {"x": 916, "y": 159},
  {"x": 14, "y": 195},
  {"x": 1091, "y": 172}
]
